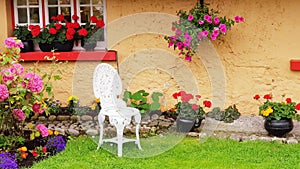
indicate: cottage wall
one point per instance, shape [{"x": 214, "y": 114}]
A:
[{"x": 253, "y": 58}]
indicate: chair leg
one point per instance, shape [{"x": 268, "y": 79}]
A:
[
  {"x": 138, "y": 136},
  {"x": 101, "y": 121},
  {"x": 120, "y": 129}
]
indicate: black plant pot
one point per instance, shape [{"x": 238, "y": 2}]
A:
[
  {"x": 63, "y": 47},
  {"x": 88, "y": 45},
  {"x": 28, "y": 46},
  {"x": 187, "y": 125},
  {"x": 279, "y": 128},
  {"x": 45, "y": 47}
]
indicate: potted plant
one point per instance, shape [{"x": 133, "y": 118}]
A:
[
  {"x": 23, "y": 33},
  {"x": 58, "y": 35},
  {"x": 91, "y": 32},
  {"x": 194, "y": 25},
  {"x": 278, "y": 115},
  {"x": 190, "y": 112}
]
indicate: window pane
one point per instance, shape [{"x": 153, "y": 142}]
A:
[
  {"x": 66, "y": 11},
  {"x": 98, "y": 11},
  {"x": 65, "y": 2},
  {"x": 97, "y": 2},
  {"x": 52, "y": 12},
  {"x": 22, "y": 15},
  {"x": 21, "y": 2},
  {"x": 34, "y": 15},
  {"x": 85, "y": 14},
  {"x": 33, "y": 2},
  {"x": 52, "y": 2},
  {"x": 84, "y": 1}
]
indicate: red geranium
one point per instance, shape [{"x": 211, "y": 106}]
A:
[
  {"x": 256, "y": 97},
  {"x": 60, "y": 17},
  {"x": 52, "y": 31},
  {"x": 94, "y": 19},
  {"x": 58, "y": 26},
  {"x": 75, "y": 17},
  {"x": 83, "y": 32},
  {"x": 100, "y": 23},
  {"x": 268, "y": 96},
  {"x": 207, "y": 103},
  {"x": 288, "y": 100}
]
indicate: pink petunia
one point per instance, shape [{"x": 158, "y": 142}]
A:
[
  {"x": 216, "y": 20},
  {"x": 207, "y": 18},
  {"x": 190, "y": 17},
  {"x": 205, "y": 33},
  {"x": 223, "y": 28},
  {"x": 201, "y": 22}
]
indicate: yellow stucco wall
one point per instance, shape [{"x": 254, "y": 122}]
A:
[{"x": 253, "y": 58}]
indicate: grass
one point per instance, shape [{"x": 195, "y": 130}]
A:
[{"x": 189, "y": 153}]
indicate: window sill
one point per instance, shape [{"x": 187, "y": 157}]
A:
[{"x": 109, "y": 55}]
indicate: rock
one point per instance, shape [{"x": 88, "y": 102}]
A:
[
  {"x": 60, "y": 130},
  {"x": 52, "y": 118},
  {"x": 42, "y": 118},
  {"x": 75, "y": 118},
  {"x": 63, "y": 118},
  {"x": 202, "y": 135},
  {"x": 154, "y": 117},
  {"x": 193, "y": 134},
  {"x": 86, "y": 118},
  {"x": 96, "y": 118},
  {"x": 292, "y": 141},
  {"x": 91, "y": 132},
  {"x": 164, "y": 124},
  {"x": 235, "y": 137},
  {"x": 73, "y": 132},
  {"x": 153, "y": 123}
]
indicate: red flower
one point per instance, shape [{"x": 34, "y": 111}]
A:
[
  {"x": 52, "y": 31},
  {"x": 207, "y": 103},
  {"x": 53, "y": 18},
  {"x": 76, "y": 25},
  {"x": 60, "y": 17},
  {"x": 58, "y": 26},
  {"x": 71, "y": 31},
  {"x": 93, "y": 19},
  {"x": 256, "y": 97},
  {"x": 44, "y": 149},
  {"x": 175, "y": 95},
  {"x": 198, "y": 96},
  {"x": 69, "y": 36},
  {"x": 69, "y": 25},
  {"x": 35, "y": 32},
  {"x": 84, "y": 32},
  {"x": 186, "y": 97},
  {"x": 195, "y": 107},
  {"x": 34, "y": 153},
  {"x": 298, "y": 106},
  {"x": 75, "y": 17},
  {"x": 100, "y": 23},
  {"x": 268, "y": 96},
  {"x": 288, "y": 100}
]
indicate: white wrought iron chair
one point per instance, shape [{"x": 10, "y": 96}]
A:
[{"x": 108, "y": 86}]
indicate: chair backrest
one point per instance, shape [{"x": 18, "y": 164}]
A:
[{"x": 107, "y": 85}]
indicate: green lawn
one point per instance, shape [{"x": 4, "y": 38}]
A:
[{"x": 189, "y": 153}]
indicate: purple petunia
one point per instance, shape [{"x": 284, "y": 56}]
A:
[{"x": 8, "y": 161}]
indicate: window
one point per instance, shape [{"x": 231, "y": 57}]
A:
[
  {"x": 27, "y": 12},
  {"x": 35, "y": 12}
]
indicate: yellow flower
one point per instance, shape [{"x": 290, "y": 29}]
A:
[
  {"x": 97, "y": 100},
  {"x": 93, "y": 107},
  {"x": 56, "y": 133},
  {"x": 267, "y": 112},
  {"x": 75, "y": 99},
  {"x": 23, "y": 149},
  {"x": 50, "y": 132}
]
